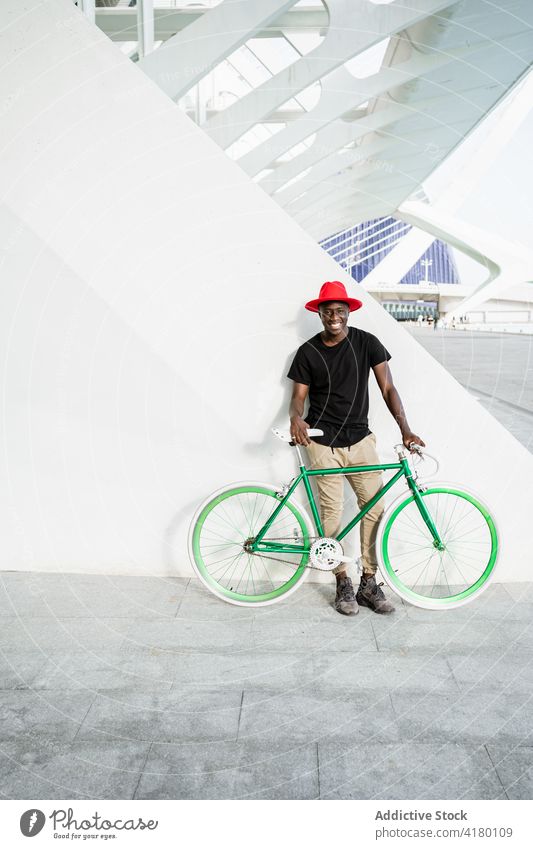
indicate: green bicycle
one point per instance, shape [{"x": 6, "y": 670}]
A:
[{"x": 253, "y": 544}]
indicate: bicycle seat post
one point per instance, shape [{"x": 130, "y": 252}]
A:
[{"x": 300, "y": 457}]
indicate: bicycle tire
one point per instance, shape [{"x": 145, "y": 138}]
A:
[
  {"x": 240, "y": 510},
  {"x": 420, "y": 573}
]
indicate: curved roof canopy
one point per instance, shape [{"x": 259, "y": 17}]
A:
[{"x": 341, "y": 110}]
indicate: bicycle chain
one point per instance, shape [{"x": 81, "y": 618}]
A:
[{"x": 279, "y": 560}]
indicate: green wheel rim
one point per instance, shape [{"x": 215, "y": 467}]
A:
[
  {"x": 485, "y": 554},
  {"x": 204, "y": 568}
]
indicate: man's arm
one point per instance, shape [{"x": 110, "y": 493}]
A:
[
  {"x": 296, "y": 411},
  {"x": 394, "y": 403}
]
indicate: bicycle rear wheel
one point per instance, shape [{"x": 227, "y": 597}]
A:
[
  {"x": 219, "y": 531},
  {"x": 421, "y": 573}
]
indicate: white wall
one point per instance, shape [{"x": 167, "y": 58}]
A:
[{"x": 151, "y": 300}]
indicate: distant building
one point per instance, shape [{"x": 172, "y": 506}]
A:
[{"x": 364, "y": 246}]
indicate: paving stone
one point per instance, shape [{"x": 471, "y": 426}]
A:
[
  {"x": 309, "y": 594},
  {"x": 467, "y": 718},
  {"x": 45, "y": 636},
  {"x": 443, "y": 635},
  {"x": 249, "y": 668},
  {"x": 41, "y": 770},
  {"x": 323, "y": 608},
  {"x": 521, "y": 591},
  {"x": 7, "y": 608},
  {"x": 98, "y": 670},
  {"x": 517, "y": 635},
  {"x": 252, "y": 770},
  {"x": 154, "y": 661},
  {"x": 515, "y": 769},
  {"x": 499, "y": 612},
  {"x": 199, "y": 603},
  {"x": 26, "y": 714},
  {"x": 351, "y": 633},
  {"x": 18, "y": 670},
  {"x": 493, "y": 593},
  {"x": 187, "y": 714},
  {"x": 307, "y": 714},
  {"x": 494, "y": 364},
  {"x": 424, "y": 672},
  {"x": 92, "y": 596},
  {"x": 216, "y": 611},
  {"x": 494, "y": 670},
  {"x": 406, "y": 771},
  {"x": 310, "y": 599},
  {"x": 276, "y": 613},
  {"x": 459, "y": 680},
  {"x": 193, "y": 636},
  {"x": 494, "y": 603}
]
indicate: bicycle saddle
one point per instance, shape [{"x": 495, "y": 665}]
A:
[{"x": 285, "y": 435}]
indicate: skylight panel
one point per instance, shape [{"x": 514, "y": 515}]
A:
[
  {"x": 296, "y": 149},
  {"x": 304, "y": 42},
  {"x": 258, "y": 134},
  {"x": 369, "y": 61},
  {"x": 309, "y": 97},
  {"x": 275, "y": 53},
  {"x": 293, "y": 180},
  {"x": 249, "y": 66}
]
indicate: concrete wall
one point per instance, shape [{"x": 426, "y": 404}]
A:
[{"x": 151, "y": 301}]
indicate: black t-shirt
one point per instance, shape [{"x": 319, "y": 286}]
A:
[{"x": 337, "y": 376}]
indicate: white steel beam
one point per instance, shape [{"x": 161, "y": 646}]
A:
[
  {"x": 145, "y": 27},
  {"x": 508, "y": 262},
  {"x": 338, "y": 158},
  {"x": 353, "y": 28},
  {"x": 184, "y": 59},
  {"x": 88, "y": 9},
  {"x": 401, "y": 162},
  {"x": 341, "y": 92},
  {"x": 120, "y": 22}
]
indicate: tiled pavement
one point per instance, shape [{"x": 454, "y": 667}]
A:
[
  {"x": 152, "y": 688},
  {"x": 496, "y": 368}
]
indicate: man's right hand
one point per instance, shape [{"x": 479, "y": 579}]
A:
[{"x": 299, "y": 429}]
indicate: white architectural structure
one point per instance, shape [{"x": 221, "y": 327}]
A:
[
  {"x": 152, "y": 298},
  {"x": 400, "y": 86},
  {"x": 514, "y": 307},
  {"x": 508, "y": 265},
  {"x": 392, "y": 102}
]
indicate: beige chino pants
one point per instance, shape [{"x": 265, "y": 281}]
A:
[{"x": 364, "y": 484}]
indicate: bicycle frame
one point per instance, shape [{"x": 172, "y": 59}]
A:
[{"x": 401, "y": 468}]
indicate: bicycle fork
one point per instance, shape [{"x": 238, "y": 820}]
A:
[{"x": 424, "y": 512}]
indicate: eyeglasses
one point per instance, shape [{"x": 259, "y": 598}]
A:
[{"x": 342, "y": 312}]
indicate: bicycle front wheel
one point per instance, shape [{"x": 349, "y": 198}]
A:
[
  {"x": 218, "y": 535},
  {"x": 419, "y": 571}
]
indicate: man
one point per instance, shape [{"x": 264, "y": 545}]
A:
[{"x": 333, "y": 369}]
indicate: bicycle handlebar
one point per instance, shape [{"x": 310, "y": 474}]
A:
[
  {"x": 285, "y": 436},
  {"x": 420, "y": 451}
]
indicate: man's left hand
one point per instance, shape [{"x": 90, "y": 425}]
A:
[{"x": 409, "y": 437}]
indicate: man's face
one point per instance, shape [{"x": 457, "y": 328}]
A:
[{"x": 334, "y": 316}]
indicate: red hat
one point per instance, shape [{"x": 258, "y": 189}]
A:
[{"x": 333, "y": 290}]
